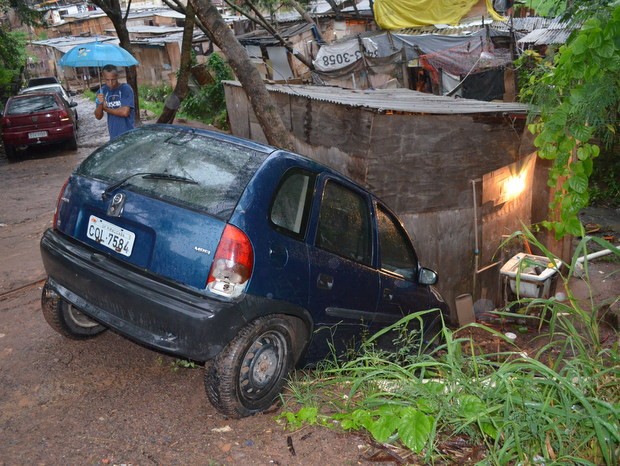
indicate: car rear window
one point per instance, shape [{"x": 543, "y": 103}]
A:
[
  {"x": 32, "y": 104},
  {"x": 221, "y": 169}
]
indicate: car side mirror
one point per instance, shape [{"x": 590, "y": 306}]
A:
[
  {"x": 72, "y": 93},
  {"x": 427, "y": 276},
  {"x": 73, "y": 104}
]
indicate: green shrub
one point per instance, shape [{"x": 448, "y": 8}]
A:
[
  {"x": 208, "y": 103},
  {"x": 561, "y": 405},
  {"x": 154, "y": 93}
]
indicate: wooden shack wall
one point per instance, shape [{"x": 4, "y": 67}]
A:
[
  {"x": 305, "y": 45},
  {"x": 82, "y": 27},
  {"x": 157, "y": 63},
  {"x": 430, "y": 159},
  {"x": 422, "y": 166}
]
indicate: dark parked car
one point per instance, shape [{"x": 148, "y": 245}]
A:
[
  {"x": 36, "y": 119},
  {"x": 222, "y": 250},
  {"x": 57, "y": 88},
  {"x": 42, "y": 80}
]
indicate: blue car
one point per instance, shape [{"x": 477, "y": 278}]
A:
[{"x": 221, "y": 250}]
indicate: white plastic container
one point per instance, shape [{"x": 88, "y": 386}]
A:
[{"x": 536, "y": 275}]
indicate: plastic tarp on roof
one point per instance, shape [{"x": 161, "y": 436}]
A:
[{"x": 400, "y": 14}]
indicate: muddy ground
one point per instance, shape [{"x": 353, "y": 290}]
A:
[{"x": 109, "y": 401}]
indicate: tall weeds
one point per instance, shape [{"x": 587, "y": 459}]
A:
[{"x": 560, "y": 405}]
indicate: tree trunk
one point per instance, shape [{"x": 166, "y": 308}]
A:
[
  {"x": 275, "y": 34},
  {"x": 335, "y": 8},
  {"x": 173, "y": 102},
  {"x": 306, "y": 16},
  {"x": 262, "y": 22},
  {"x": 258, "y": 96}
]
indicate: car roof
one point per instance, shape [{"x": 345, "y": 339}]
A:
[{"x": 41, "y": 87}]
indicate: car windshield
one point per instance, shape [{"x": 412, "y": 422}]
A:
[
  {"x": 220, "y": 169},
  {"x": 31, "y": 104}
]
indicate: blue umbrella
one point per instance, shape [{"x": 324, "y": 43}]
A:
[{"x": 97, "y": 54}]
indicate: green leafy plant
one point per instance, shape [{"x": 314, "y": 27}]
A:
[
  {"x": 152, "y": 98},
  {"x": 208, "y": 103},
  {"x": 183, "y": 364},
  {"x": 605, "y": 180},
  {"x": 560, "y": 405},
  {"x": 12, "y": 60},
  {"x": 576, "y": 107},
  {"x": 154, "y": 93}
]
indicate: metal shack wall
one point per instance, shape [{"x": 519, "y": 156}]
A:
[{"x": 421, "y": 165}]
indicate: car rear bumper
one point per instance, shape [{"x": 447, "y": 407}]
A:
[
  {"x": 21, "y": 137},
  {"x": 142, "y": 308}
]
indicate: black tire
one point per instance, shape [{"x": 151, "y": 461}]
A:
[
  {"x": 73, "y": 144},
  {"x": 433, "y": 333},
  {"x": 9, "y": 151},
  {"x": 66, "y": 319},
  {"x": 249, "y": 373}
]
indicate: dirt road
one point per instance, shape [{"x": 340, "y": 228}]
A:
[{"x": 107, "y": 401}]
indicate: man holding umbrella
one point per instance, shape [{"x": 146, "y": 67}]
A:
[{"x": 117, "y": 100}]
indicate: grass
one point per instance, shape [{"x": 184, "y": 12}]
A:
[{"x": 560, "y": 405}]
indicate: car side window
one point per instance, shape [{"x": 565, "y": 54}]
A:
[
  {"x": 291, "y": 205},
  {"x": 396, "y": 252},
  {"x": 344, "y": 224}
]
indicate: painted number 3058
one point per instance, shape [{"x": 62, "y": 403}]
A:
[{"x": 341, "y": 58}]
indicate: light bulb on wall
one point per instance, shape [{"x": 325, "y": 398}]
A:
[{"x": 513, "y": 186}]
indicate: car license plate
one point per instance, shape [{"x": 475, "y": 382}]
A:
[
  {"x": 111, "y": 236},
  {"x": 37, "y": 134}
]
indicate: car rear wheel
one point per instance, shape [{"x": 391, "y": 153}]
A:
[
  {"x": 249, "y": 373},
  {"x": 73, "y": 144},
  {"x": 66, "y": 319}
]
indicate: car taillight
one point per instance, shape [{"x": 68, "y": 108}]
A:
[
  {"x": 60, "y": 199},
  {"x": 6, "y": 122},
  {"x": 232, "y": 264},
  {"x": 64, "y": 116}
]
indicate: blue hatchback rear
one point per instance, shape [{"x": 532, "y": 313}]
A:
[{"x": 228, "y": 252}]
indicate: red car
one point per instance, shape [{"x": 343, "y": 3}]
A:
[{"x": 36, "y": 119}]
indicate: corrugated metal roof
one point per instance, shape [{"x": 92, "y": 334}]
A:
[
  {"x": 320, "y": 9},
  {"x": 66, "y": 43},
  {"x": 526, "y": 24},
  {"x": 518, "y": 24},
  {"x": 170, "y": 14},
  {"x": 198, "y": 36},
  {"x": 133, "y": 14},
  {"x": 396, "y": 100},
  {"x": 262, "y": 37},
  {"x": 555, "y": 31},
  {"x": 363, "y": 5},
  {"x": 546, "y": 37},
  {"x": 159, "y": 30}
]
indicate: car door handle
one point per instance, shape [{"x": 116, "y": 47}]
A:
[
  {"x": 387, "y": 294},
  {"x": 325, "y": 282}
]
